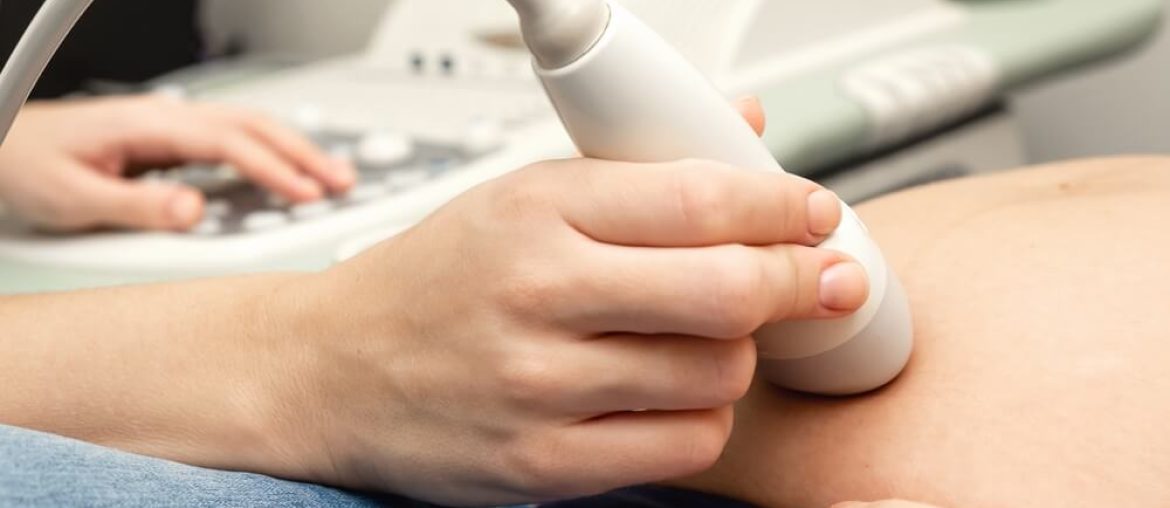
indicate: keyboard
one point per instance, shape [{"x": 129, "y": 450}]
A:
[
  {"x": 388, "y": 165},
  {"x": 418, "y": 141}
]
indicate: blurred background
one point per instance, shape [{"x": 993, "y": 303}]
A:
[
  {"x": 1116, "y": 107},
  {"x": 431, "y": 97},
  {"x": 1121, "y": 106}
]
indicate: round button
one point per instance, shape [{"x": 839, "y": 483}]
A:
[
  {"x": 260, "y": 221},
  {"x": 311, "y": 210},
  {"x": 365, "y": 192},
  {"x": 407, "y": 178},
  {"x": 482, "y": 136},
  {"x": 309, "y": 118},
  {"x": 210, "y": 226},
  {"x": 381, "y": 149}
]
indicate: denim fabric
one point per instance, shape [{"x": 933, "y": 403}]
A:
[
  {"x": 39, "y": 469},
  {"x": 43, "y": 470}
]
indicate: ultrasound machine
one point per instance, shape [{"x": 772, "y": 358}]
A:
[{"x": 867, "y": 96}]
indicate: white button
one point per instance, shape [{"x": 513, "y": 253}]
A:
[
  {"x": 407, "y": 178},
  {"x": 910, "y": 92},
  {"x": 440, "y": 164},
  {"x": 482, "y": 136},
  {"x": 914, "y": 97},
  {"x": 311, "y": 210},
  {"x": 365, "y": 192},
  {"x": 384, "y": 149},
  {"x": 219, "y": 208},
  {"x": 209, "y": 227},
  {"x": 886, "y": 115},
  {"x": 309, "y": 118},
  {"x": 259, "y": 221}
]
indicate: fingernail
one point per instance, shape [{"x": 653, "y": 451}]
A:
[
  {"x": 185, "y": 208},
  {"x": 824, "y": 213},
  {"x": 844, "y": 287},
  {"x": 748, "y": 101}
]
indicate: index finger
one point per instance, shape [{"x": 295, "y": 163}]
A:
[
  {"x": 293, "y": 147},
  {"x": 696, "y": 204}
]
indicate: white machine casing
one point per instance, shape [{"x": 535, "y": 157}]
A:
[
  {"x": 634, "y": 98},
  {"x": 734, "y": 42}
]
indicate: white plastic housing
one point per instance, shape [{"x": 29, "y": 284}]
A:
[{"x": 633, "y": 98}]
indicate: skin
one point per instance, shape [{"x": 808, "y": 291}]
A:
[
  {"x": 571, "y": 328},
  {"x": 65, "y": 164},
  {"x": 1040, "y": 300}
]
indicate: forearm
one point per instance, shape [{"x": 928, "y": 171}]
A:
[{"x": 180, "y": 371}]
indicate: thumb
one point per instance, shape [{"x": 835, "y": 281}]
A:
[{"x": 109, "y": 201}]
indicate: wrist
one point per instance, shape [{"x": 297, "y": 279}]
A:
[
  {"x": 270, "y": 397},
  {"x": 301, "y": 334}
]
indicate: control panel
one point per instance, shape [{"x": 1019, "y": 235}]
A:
[
  {"x": 912, "y": 92},
  {"x": 445, "y": 99}
]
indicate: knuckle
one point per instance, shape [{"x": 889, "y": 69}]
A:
[
  {"x": 534, "y": 465},
  {"x": 530, "y": 380},
  {"x": 702, "y": 200},
  {"x": 737, "y": 285},
  {"x": 734, "y": 372},
  {"x": 791, "y": 300},
  {"x": 150, "y": 113},
  {"x": 704, "y": 449},
  {"x": 529, "y": 293}
]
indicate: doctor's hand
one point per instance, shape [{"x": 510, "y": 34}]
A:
[
  {"x": 574, "y": 327},
  {"x": 66, "y": 164}
]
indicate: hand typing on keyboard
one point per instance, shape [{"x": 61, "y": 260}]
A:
[
  {"x": 569, "y": 328},
  {"x": 67, "y": 166}
]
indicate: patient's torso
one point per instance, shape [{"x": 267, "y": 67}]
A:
[{"x": 1042, "y": 372}]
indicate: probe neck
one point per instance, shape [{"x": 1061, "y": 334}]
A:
[{"x": 558, "y": 32}]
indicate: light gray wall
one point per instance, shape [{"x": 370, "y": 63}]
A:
[
  {"x": 1122, "y": 107},
  {"x": 304, "y": 28},
  {"x": 1116, "y": 108}
]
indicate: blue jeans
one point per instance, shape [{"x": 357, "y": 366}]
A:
[{"x": 42, "y": 470}]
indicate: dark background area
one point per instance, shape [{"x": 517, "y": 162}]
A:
[{"x": 124, "y": 41}]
